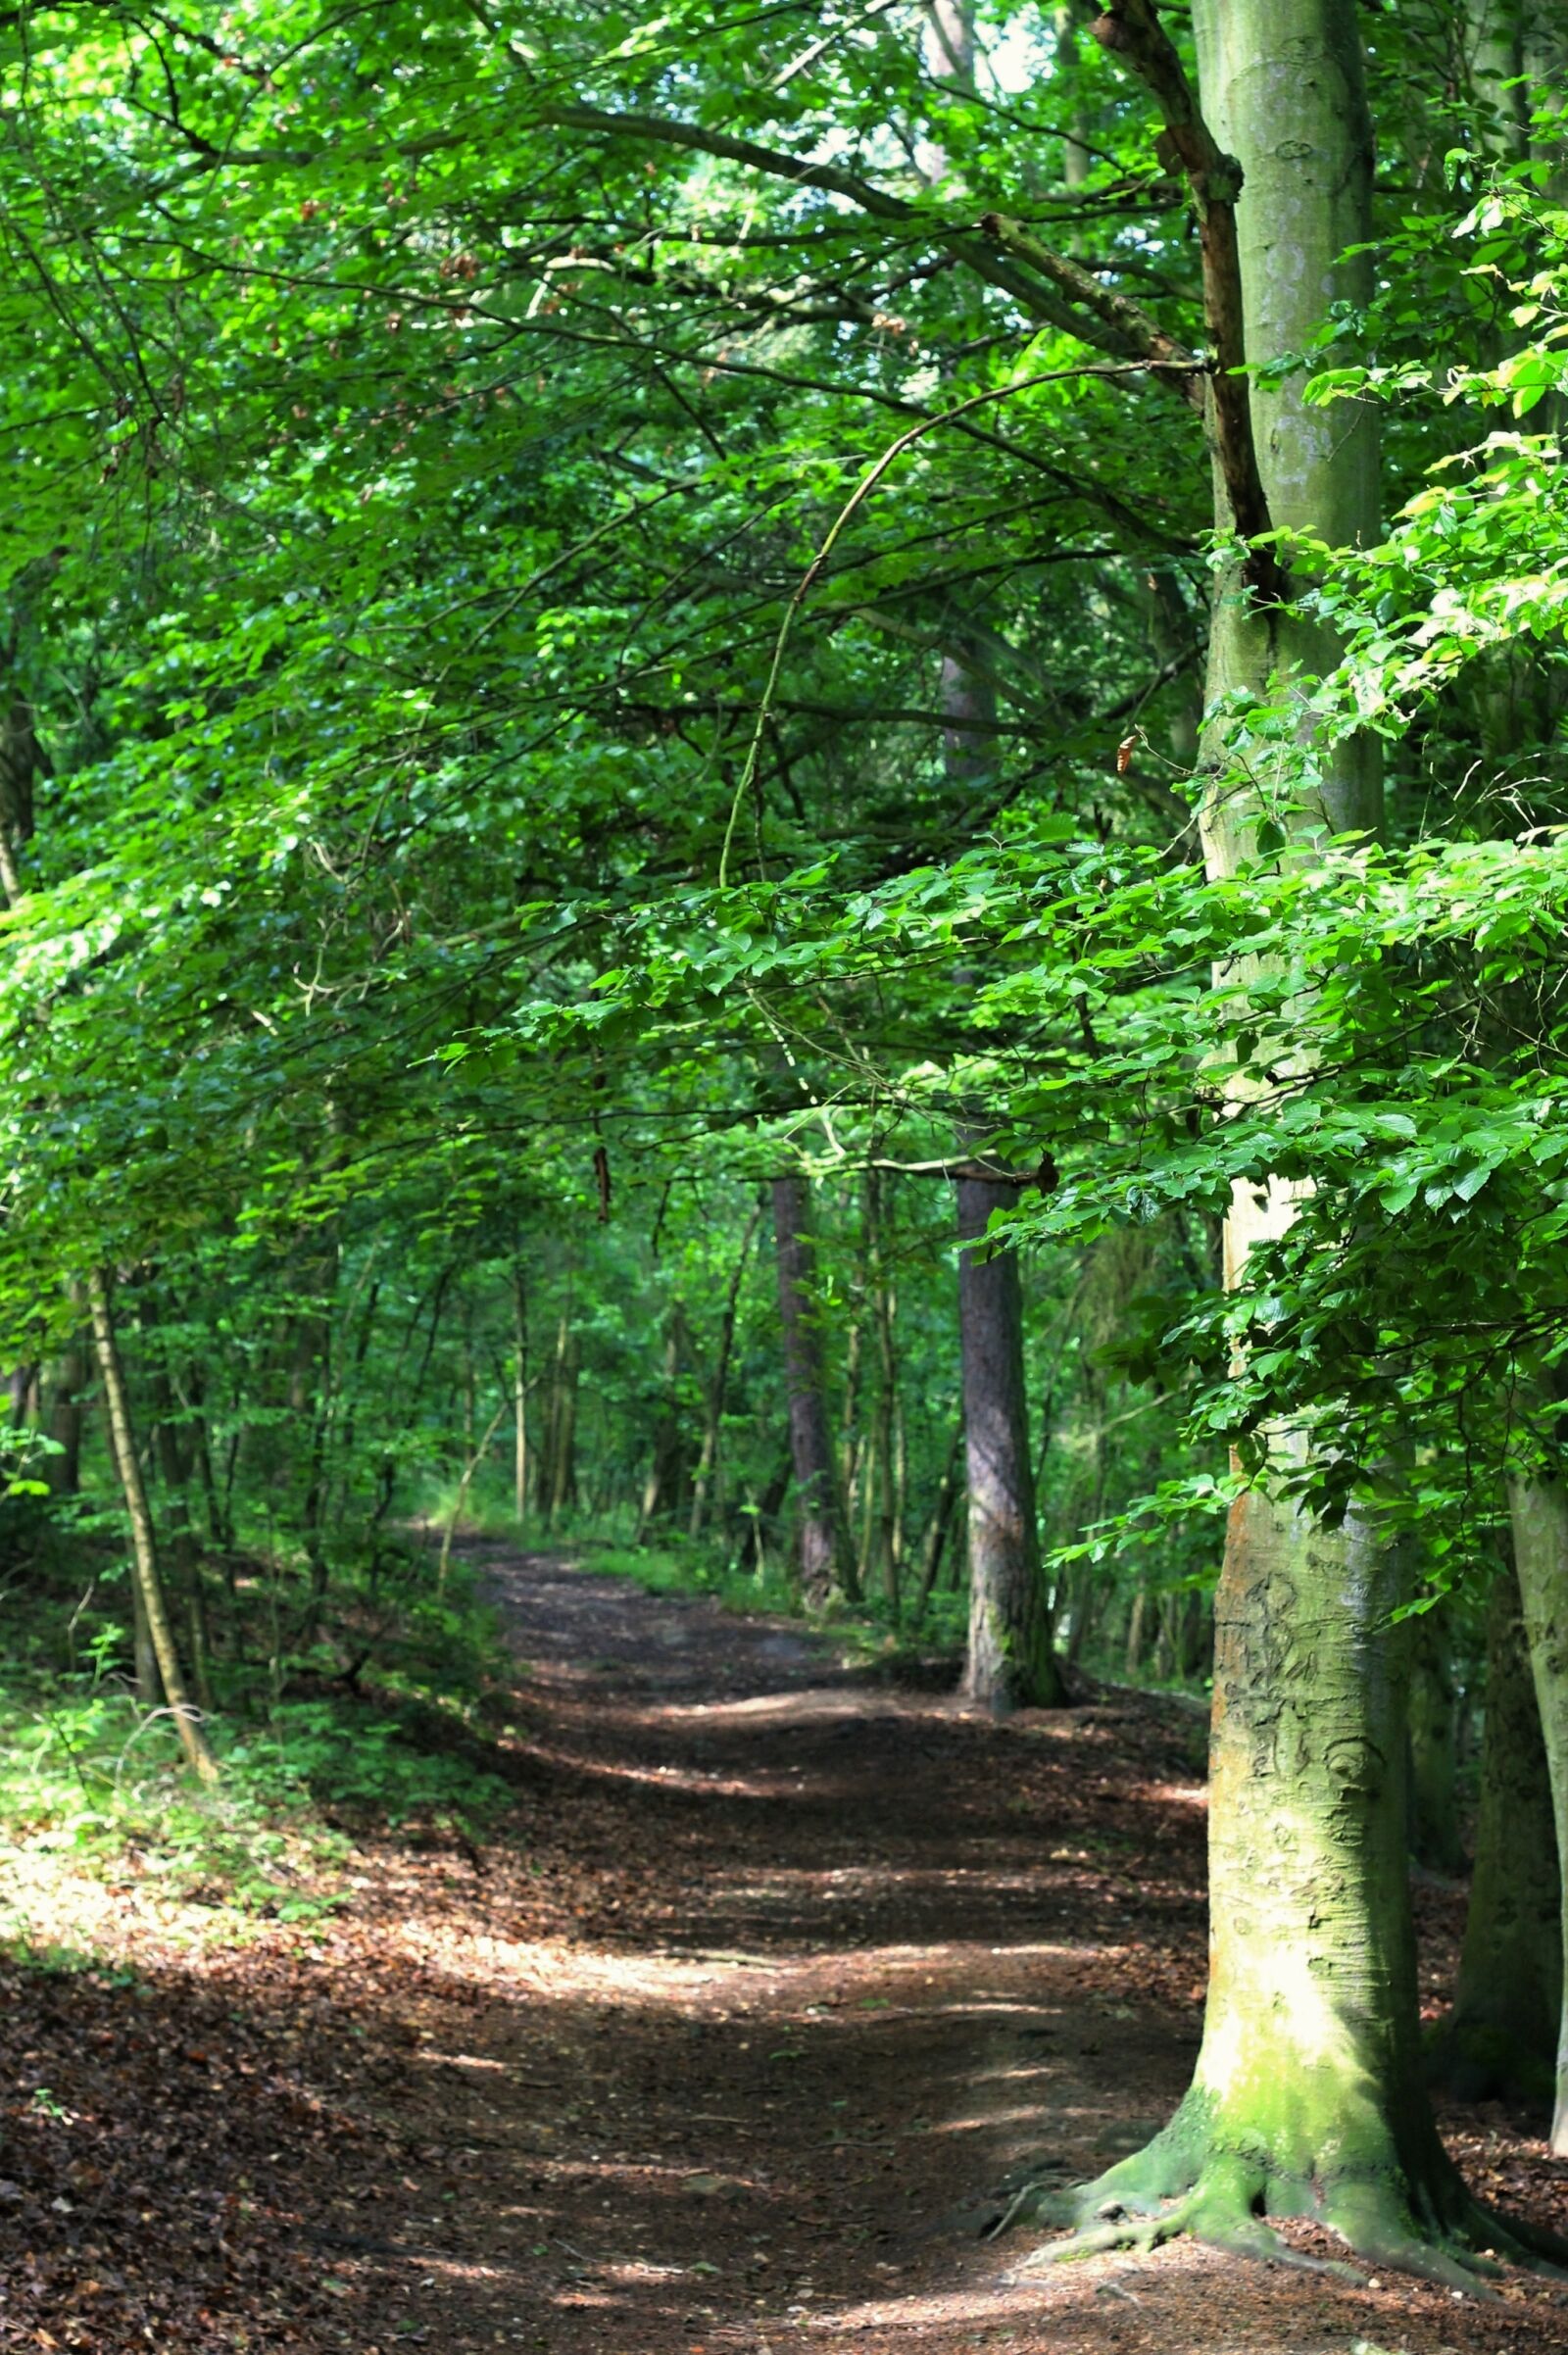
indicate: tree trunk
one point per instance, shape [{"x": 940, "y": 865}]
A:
[
  {"x": 1307, "y": 2097},
  {"x": 825, "y": 1565},
  {"x": 171, "y": 1446},
  {"x": 144, "y": 1543},
  {"x": 934, "y": 1539},
  {"x": 707, "y": 1472},
  {"x": 1010, "y": 1663},
  {"x": 1501, "y": 2036},
  {"x": 888, "y": 1522},
  {"x": 562, "y": 1495},
  {"x": 1434, "y": 1749},
  {"x": 519, "y": 1397},
  {"x": 67, "y": 1414},
  {"x": 1539, "y": 1511},
  {"x": 1136, "y": 1619},
  {"x": 1087, "y": 1601}
]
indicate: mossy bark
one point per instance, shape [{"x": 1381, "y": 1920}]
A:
[
  {"x": 1308, "y": 2099},
  {"x": 1501, "y": 2035}
]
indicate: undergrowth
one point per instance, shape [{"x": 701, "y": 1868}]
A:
[{"x": 322, "y": 1745}]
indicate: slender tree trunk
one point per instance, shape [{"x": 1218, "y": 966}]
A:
[
  {"x": 1010, "y": 1659},
  {"x": 520, "y": 1395},
  {"x": 172, "y": 1448},
  {"x": 850, "y": 1449},
  {"x": 704, "y": 1477},
  {"x": 1538, "y": 1512},
  {"x": 1434, "y": 1749},
  {"x": 1197, "y": 1641},
  {"x": 1165, "y": 1638},
  {"x": 67, "y": 1414},
  {"x": 934, "y": 1538},
  {"x": 825, "y": 1565},
  {"x": 1087, "y": 1601},
  {"x": 889, "y": 1520},
  {"x": 144, "y": 1543},
  {"x": 1501, "y": 2035},
  {"x": 1011, "y": 1663},
  {"x": 1133, "y": 1660},
  {"x": 143, "y": 1651},
  {"x": 563, "y": 1421}
]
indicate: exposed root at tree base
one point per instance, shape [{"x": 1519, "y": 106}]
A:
[{"x": 1184, "y": 2183}]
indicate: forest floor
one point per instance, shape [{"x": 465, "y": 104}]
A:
[{"x": 715, "y": 2047}]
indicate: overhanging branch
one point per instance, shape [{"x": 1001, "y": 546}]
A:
[{"x": 1131, "y": 29}]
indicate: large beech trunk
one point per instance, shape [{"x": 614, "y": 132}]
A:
[
  {"x": 824, "y": 1559},
  {"x": 1539, "y": 1511},
  {"x": 1307, "y": 2097},
  {"x": 1010, "y": 1663},
  {"x": 1501, "y": 2036}
]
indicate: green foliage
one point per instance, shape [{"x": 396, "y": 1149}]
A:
[{"x": 500, "y": 517}]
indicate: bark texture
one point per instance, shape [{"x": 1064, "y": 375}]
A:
[
  {"x": 823, "y": 1553},
  {"x": 1010, "y": 1661},
  {"x": 1501, "y": 2036}
]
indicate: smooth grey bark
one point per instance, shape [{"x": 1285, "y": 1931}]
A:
[
  {"x": 1501, "y": 2035},
  {"x": 1010, "y": 1661},
  {"x": 823, "y": 1554}
]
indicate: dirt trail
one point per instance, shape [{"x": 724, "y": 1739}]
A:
[
  {"x": 774, "y": 1973},
  {"x": 838, "y": 1959}
]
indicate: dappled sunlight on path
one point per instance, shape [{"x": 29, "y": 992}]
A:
[{"x": 726, "y": 2040}]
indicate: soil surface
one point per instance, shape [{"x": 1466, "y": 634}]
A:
[{"x": 719, "y": 2047}]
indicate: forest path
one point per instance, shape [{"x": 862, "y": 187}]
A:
[
  {"x": 766, "y": 1974},
  {"x": 821, "y": 1963}
]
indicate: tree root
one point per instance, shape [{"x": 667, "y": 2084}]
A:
[{"x": 1186, "y": 2181}]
